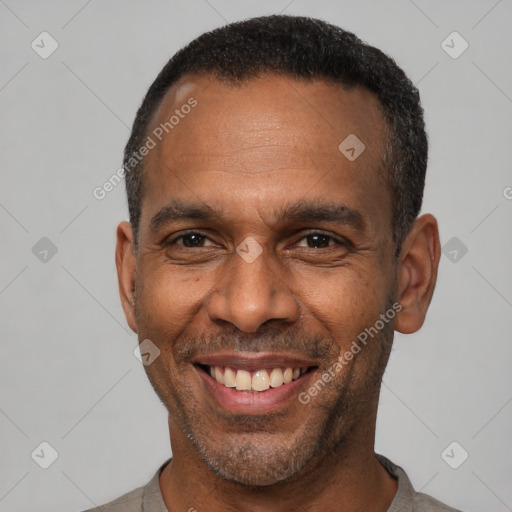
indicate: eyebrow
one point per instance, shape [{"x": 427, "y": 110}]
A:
[
  {"x": 299, "y": 211},
  {"x": 178, "y": 210}
]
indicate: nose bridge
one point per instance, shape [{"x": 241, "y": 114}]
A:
[
  {"x": 251, "y": 280},
  {"x": 252, "y": 291}
]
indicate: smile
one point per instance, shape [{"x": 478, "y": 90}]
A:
[{"x": 254, "y": 381}]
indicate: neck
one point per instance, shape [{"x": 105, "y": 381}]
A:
[{"x": 348, "y": 479}]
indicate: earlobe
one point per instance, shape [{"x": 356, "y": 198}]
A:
[
  {"x": 126, "y": 266},
  {"x": 417, "y": 273}
]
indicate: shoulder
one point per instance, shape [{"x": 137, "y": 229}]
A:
[
  {"x": 146, "y": 498},
  {"x": 129, "y": 502},
  {"x": 406, "y": 498},
  {"x": 424, "y": 503}
]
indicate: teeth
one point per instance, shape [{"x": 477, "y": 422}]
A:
[
  {"x": 229, "y": 378},
  {"x": 243, "y": 380},
  {"x": 260, "y": 380},
  {"x": 276, "y": 377},
  {"x": 219, "y": 377}
]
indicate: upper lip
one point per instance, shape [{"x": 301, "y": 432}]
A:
[{"x": 254, "y": 361}]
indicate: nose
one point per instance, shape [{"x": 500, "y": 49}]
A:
[{"x": 251, "y": 293}]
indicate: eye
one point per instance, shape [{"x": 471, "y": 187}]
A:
[
  {"x": 190, "y": 240},
  {"x": 318, "y": 240}
]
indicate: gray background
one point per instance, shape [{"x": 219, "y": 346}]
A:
[{"x": 67, "y": 370}]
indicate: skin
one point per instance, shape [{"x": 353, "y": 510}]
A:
[{"x": 246, "y": 151}]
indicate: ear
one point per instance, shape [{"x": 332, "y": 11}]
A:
[
  {"x": 126, "y": 265},
  {"x": 417, "y": 273}
]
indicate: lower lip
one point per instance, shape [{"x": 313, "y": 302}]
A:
[{"x": 257, "y": 402}]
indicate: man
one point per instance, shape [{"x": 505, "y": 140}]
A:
[{"x": 275, "y": 174}]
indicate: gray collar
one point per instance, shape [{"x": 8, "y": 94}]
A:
[{"x": 152, "y": 499}]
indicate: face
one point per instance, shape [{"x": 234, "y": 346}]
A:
[{"x": 263, "y": 253}]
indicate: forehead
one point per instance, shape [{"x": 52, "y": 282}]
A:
[
  {"x": 254, "y": 141},
  {"x": 269, "y": 104}
]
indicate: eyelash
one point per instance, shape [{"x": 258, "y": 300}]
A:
[{"x": 338, "y": 241}]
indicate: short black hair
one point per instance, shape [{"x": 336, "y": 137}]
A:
[{"x": 302, "y": 48}]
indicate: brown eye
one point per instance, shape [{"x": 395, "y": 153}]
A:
[
  {"x": 318, "y": 241},
  {"x": 189, "y": 240},
  {"x": 193, "y": 240}
]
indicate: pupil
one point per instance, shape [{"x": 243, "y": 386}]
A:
[
  {"x": 317, "y": 240},
  {"x": 192, "y": 240}
]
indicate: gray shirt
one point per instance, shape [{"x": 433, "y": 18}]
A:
[{"x": 149, "y": 498}]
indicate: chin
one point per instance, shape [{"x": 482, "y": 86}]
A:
[
  {"x": 252, "y": 474},
  {"x": 257, "y": 464}
]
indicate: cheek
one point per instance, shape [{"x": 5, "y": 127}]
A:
[
  {"x": 344, "y": 302},
  {"x": 170, "y": 299},
  {"x": 347, "y": 307},
  {"x": 344, "y": 297}
]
